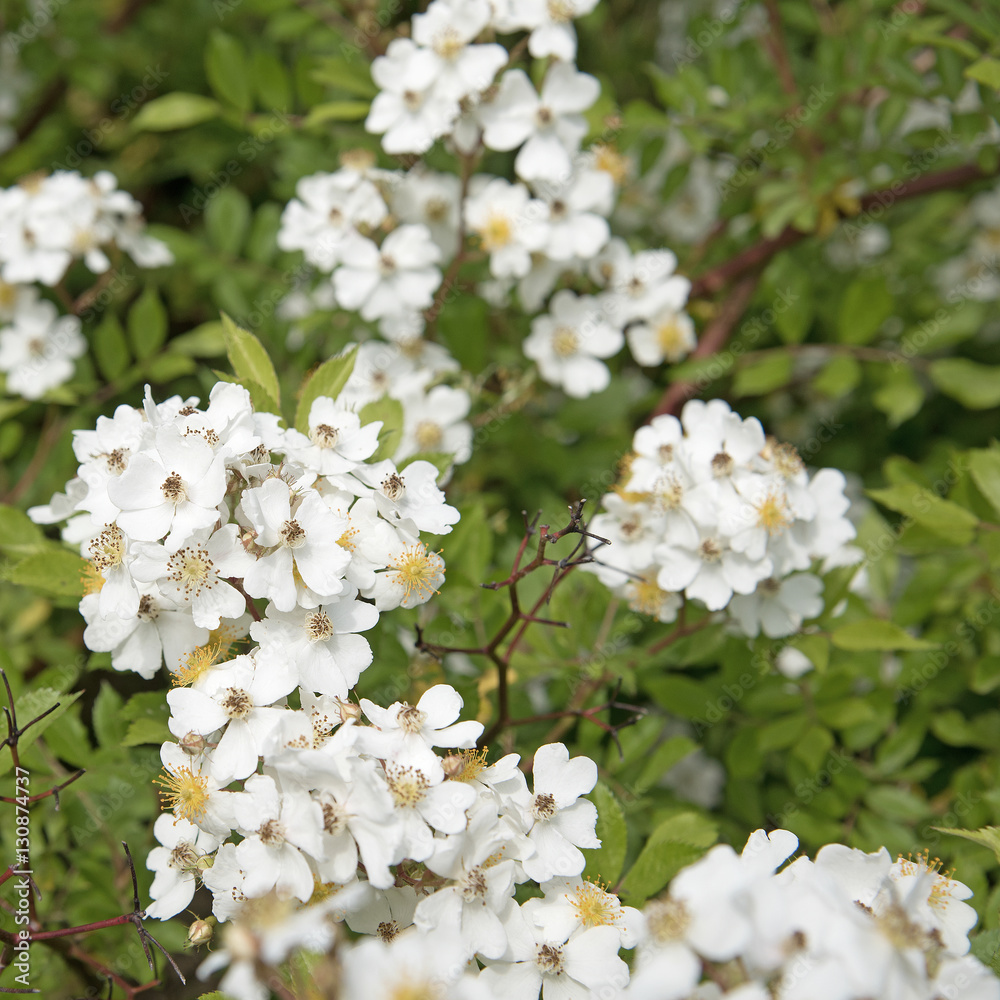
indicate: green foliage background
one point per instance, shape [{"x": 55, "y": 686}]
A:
[{"x": 209, "y": 112}]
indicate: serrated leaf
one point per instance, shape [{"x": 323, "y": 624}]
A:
[
  {"x": 605, "y": 862},
  {"x": 390, "y": 412},
  {"x": 986, "y": 836},
  {"x": 250, "y": 361},
  {"x": 327, "y": 380},
  {"x": 55, "y": 571},
  {"x": 147, "y": 715},
  {"x": 876, "y": 634},
  {"x": 174, "y": 111},
  {"x": 944, "y": 518},
  {"x": 147, "y": 324},
  {"x": 676, "y": 843},
  {"x": 973, "y": 385},
  {"x": 30, "y": 705}
]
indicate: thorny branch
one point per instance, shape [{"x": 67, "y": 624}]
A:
[{"x": 513, "y": 628}]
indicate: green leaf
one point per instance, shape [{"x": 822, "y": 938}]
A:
[
  {"x": 205, "y": 341},
  {"x": 676, "y": 843},
  {"x": 877, "y": 634},
  {"x": 900, "y": 396},
  {"x": 986, "y": 947},
  {"x": 274, "y": 87},
  {"x": 793, "y": 322},
  {"x": 147, "y": 324},
  {"x": 337, "y": 111},
  {"x": 350, "y": 76},
  {"x": 328, "y": 379},
  {"x": 985, "y": 70},
  {"x": 663, "y": 758},
  {"x": 838, "y": 376},
  {"x": 250, "y": 360},
  {"x": 109, "y": 726},
  {"x": 815, "y": 647},
  {"x": 227, "y": 69},
  {"x": 19, "y": 535},
  {"x": 111, "y": 348},
  {"x": 764, "y": 375},
  {"x": 944, "y": 518},
  {"x": 176, "y": 110},
  {"x": 973, "y": 385},
  {"x": 55, "y": 571},
  {"x": 605, "y": 862},
  {"x": 984, "y": 467},
  {"x": 987, "y": 836},
  {"x": 865, "y": 306},
  {"x": 390, "y": 412},
  {"x": 30, "y": 705},
  {"x": 146, "y": 714},
  {"x": 227, "y": 220}
]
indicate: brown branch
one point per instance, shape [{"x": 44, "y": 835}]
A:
[
  {"x": 775, "y": 42},
  {"x": 760, "y": 253},
  {"x": 716, "y": 334}
]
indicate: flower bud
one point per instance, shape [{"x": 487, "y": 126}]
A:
[{"x": 200, "y": 932}]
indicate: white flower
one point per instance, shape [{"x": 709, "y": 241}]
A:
[
  {"x": 176, "y": 864},
  {"x": 667, "y": 335},
  {"x": 550, "y": 126},
  {"x": 435, "y": 422},
  {"x": 567, "y": 343},
  {"x": 317, "y": 647},
  {"x": 447, "y": 28},
  {"x": 431, "y": 199},
  {"x": 410, "y": 109},
  {"x": 552, "y": 34},
  {"x": 778, "y": 607},
  {"x": 173, "y": 489},
  {"x": 336, "y": 441},
  {"x": 307, "y": 537},
  {"x": 38, "y": 348},
  {"x": 410, "y": 499},
  {"x": 405, "y": 733},
  {"x": 574, "y": 904},
  {"x": 398, "y": 277},
  {"x": 510, "y": 224},
  {"x": 563, "y": 821}
]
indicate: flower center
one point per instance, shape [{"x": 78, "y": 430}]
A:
[
  {"x": 318, "y": 626},
  {"x": 544, "y": 806},
  {"x": 417, "y": 571},
  {"x": 670, "y": 338},
  {"x": 437, "y": 209},
  {"x": 411, "y": 719},
  {"x": 148, "y": 611},
  {"x": 475, "y": 885},
  {"x": 560, "y": 10},
  {"x": 496, "y": 232},
  {"x": 115, "y": 460},
  {"x": 544, "y": 117},
  {"x": 184, "y": 856},
  {"x": 564, "y": 342},
  {"x": 271, "y": 833},
  {"x": 334, "y": 818},
  {"x": 108, "y": 548},
  {"x": 190, "y": 568},
  {"x": 722, "y": 465},
  {"x": 387, "y": 930},
  {"x": 173, "y": 488},
  {"x": 710, "y": 550},
  {"x": 237, "y": 703},
  {"x": 549, "y": 959},
  {"x": 412, "y": 100},
  {"x": 595, "y": 907},
  {"x": 292, "y": 534},
  {"x": 393, "y": 487},
  {"x": 772, "y": 514},
  {"x": 408, "y": 786},
  {"x": 647, "y": 597},
  {"x": 448, "y": 43},
  {"x": 667, "y": 920},
  {"x": 429, "y": 435},
  {"x": 184, "y": 793},
  {"x": 324, "y": 435}
]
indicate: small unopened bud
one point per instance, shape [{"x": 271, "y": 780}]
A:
[
  {"x": 193, "y": 743},
  {"x": 453, "y": 765},
  {"x": 200, "y": 932},
  {"x": 205, "y": 862},
  {"x": 349, "y": 711}
]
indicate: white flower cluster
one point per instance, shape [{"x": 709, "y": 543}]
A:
[
  {"x": 710, "y": 508},
  {"x": 442, "y": 842},
  {"x": 184, "y": 515},
  {"x": 46, "y": 223},
  {"x": 551, "y": 222},
  {"x": 846, "y": 925}
]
